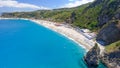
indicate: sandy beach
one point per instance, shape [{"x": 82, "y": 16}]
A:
[{"x": 67, "y": 31}]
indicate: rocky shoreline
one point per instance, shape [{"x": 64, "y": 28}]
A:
[
  {"x": 92, "y": 57},
  {"x": 110, "y": 60}
]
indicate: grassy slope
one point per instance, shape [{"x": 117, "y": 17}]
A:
[{"x": 112, "y": 47}]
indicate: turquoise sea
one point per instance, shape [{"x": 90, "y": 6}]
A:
[{"x": 25, "y": 44}]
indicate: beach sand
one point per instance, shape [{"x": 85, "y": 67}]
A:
[{"x": 68, "y": 32}]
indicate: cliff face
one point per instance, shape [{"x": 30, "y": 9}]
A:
[
  {"x": 108, "y": 20},
  {"x": 92, "y": 57},
  {"x": 109, "y": 34},
  {"x": 110, "y": 10},
  {"x": 111, "y": 56}
]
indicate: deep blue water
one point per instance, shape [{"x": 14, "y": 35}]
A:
[{"x": 24, "y": 44}]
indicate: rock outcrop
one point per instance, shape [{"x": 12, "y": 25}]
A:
[
  {"x": 109, "y": 34},
  {"x": 111, "y": 60},
  {"x": 92, "y": 57},
  {"x": 71, "y": 19}
]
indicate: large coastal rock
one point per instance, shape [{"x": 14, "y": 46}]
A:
[
  {"x": 112, "y": 60},
  {"x": 92, "y": 57},
  {"x": 109, "y": 34}
]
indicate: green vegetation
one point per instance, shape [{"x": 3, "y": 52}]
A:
[
  {"x": 112, "y": 47},
  {"x": 85, "y": 16},
  {"x": 57, "y": 15},
  {"x": 96, "y": 45},
  {"x": 88, "y": 19}
]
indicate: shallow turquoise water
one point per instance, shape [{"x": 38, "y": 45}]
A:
[{"x": 24, "y": 44}]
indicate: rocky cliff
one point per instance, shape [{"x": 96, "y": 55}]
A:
[
  {"x": 110, "y": 57},
  {"x": 92, "y": 57},
  {"x": 108, "y": 22},
  {"x": 111, "y": 60},
  {"x": 109, "y": 11},
  {"x": 109, "y": 34}
]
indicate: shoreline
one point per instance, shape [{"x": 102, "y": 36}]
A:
[{"x": 68, "y": 32}]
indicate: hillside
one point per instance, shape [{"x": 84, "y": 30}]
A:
[
  {"x": 57, "y": 15},
  {"x": 98, "y": 14},
  {"x": 92, "y": 15}
]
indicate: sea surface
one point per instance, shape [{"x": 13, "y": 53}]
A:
[{"x": 25, "y": 44}]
